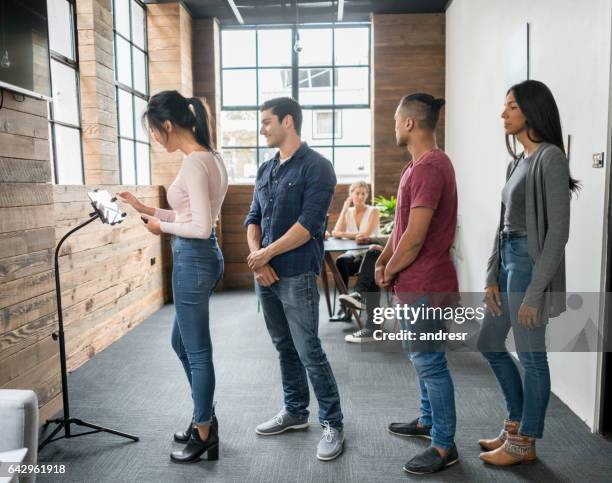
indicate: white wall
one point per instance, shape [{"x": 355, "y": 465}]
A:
[{"x": 570, "y": 52}]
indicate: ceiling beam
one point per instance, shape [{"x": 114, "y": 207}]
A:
[
  {"x": 234, "y": 8},
  {"x": 340, "y": 10}
]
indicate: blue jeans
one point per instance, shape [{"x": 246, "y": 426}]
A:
[
  {"x": 437, "y": 390},
  {"x": 197, "y": 269},
  {"x": 526, "y": 400},
  {"x": 291, "y": 311}
]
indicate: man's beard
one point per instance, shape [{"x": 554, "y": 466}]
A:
[{"x": 273, "y": 142}]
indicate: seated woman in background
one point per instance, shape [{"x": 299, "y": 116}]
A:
[{"x": 355, "y": 222}]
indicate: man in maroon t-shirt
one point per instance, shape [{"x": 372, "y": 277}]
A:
[{"x": 417, "y": 263}]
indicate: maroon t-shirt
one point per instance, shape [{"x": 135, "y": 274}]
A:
[{"x": 429, "y": 182}]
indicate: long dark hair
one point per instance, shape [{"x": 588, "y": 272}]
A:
[
  {"x": 172, "y": 106},
  {"x": 541, "y": 118}
]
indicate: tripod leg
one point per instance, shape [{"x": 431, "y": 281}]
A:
[
  {"x": 80, "y": 422},
  {"x": 60, "y": 425}
]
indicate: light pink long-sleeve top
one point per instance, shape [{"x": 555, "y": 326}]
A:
[{"x": 195, "y": 196}]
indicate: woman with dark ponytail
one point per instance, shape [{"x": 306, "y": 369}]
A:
[
  {"x": 526, "y": 271},
  {"x": 195, "y": 196}
]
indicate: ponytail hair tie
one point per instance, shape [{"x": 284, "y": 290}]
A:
[{"x": 190, "y": 106}]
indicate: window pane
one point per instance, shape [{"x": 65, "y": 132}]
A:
[
  {"x": 123, "y": 61},
  {"x": 355, "y": 126},
  {"x": 352, "y": 85},
  {"x": 324, "y": 124},
  {"x": 274, "y": 83},
  {"x": 352, "y": 163},
  {"x": 126, "y": 114},
  {"x": 121, "y": 10},
  {"x": 126, "y": 151},
  {"x": 351, "y": 46},
  {"x": 138, "y": 25},
  {"x": 241, "y": 165},
  {"x": 140, "y": 108},
  {"x": 239, "y": 88},
  {"x": 275, "y": 48},
  {"x": 316, "y": 47},
  {"x": 262, "y": 140},
  {"x": 325, "y": 152},
  {"x": 238, "y": 48},
  {"x": 65, "y": 96},
  {"x": 266, "y": 153},
  {"x": 315, "y": 86},
  {"x": 239, "y": 128},
  {"x": 60, "y": 27},
  {"x": 143, "y": 164},
  {"x": 140, "y": 71},
  {"x": 68, "y": 155},
  {"x": 313, "y": 134}
]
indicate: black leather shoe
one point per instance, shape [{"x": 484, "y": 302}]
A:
[
  {"x": 410, "y": 429},
  {"x": 430, "y": 461},
  {"x": 183, "y": 436},
  {"x": 196, "y": 447},
  {"x": 341, "y": 316}
]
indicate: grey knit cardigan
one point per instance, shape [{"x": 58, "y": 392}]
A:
[{"x": 547, "y": 209}]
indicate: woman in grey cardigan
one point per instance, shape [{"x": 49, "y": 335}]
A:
[{"x": 526, "y": 271}]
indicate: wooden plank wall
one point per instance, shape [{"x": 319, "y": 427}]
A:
[
  {"x": 169, "y": 34},
  {"x": 408, "y": 56},
  {"x": 111, "y": 276},
  {"x": 29, "y": 358},
  {"x": 235, "y": 248},
  {"x": 109, "y": 283},
  {"x": 169, "y": 41},
  {"x": 206, "y": 63},
  {"x": 98, "y": 107}
]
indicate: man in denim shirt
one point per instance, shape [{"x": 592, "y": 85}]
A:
[{"x": 285, "y": 227}]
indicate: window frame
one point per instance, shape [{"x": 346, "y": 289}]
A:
[
  {"x": 295, "y": 85},
  {"x": 131, "y": 90},
  {"x": 73, "y": 64},
  {"x": 336, "y": 124}
]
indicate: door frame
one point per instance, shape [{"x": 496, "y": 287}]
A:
[{"x": 603, "y": 401}]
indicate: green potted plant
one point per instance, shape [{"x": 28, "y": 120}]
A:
[{"x": 386, "y": 206}]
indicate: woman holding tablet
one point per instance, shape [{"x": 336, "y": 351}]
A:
[{"x": 195, "y": 196}]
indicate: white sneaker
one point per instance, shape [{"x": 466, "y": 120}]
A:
[
  {"x": 352, "y": 300},
  {"x": 363, "y": 335}
]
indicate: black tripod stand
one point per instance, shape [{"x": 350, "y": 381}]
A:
[{"x": 65, "y": 422}]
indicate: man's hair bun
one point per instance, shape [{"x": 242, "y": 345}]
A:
[{"x": 438, "y": 103}]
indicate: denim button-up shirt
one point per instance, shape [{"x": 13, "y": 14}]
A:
[{"x": 299, "y": 190}]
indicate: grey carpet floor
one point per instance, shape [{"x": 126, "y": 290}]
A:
[{"x": 138, "y": 386}]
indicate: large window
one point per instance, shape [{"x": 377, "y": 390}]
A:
[
  {"x": 330, "y": 77},
  {"x": 132, "y": 90},
  {"x": 64, "y": 111}
]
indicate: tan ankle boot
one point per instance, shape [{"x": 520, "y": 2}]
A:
[
  {"x": 511, "y": 427},
  {"x": 516, "y": 449}
]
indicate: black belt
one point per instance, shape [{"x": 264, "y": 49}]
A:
[{"x": 511, "y": 234}]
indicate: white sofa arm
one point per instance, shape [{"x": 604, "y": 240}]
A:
[{"x": 19, "y": 424}]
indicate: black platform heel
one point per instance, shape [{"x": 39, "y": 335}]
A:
[
  {"x": 195, "y": 447},
  {"x": 213, "y": 453},
  {"x": 183, "y": 436}
]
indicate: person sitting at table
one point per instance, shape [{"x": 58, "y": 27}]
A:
[{"x": 357, "y": 221}]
